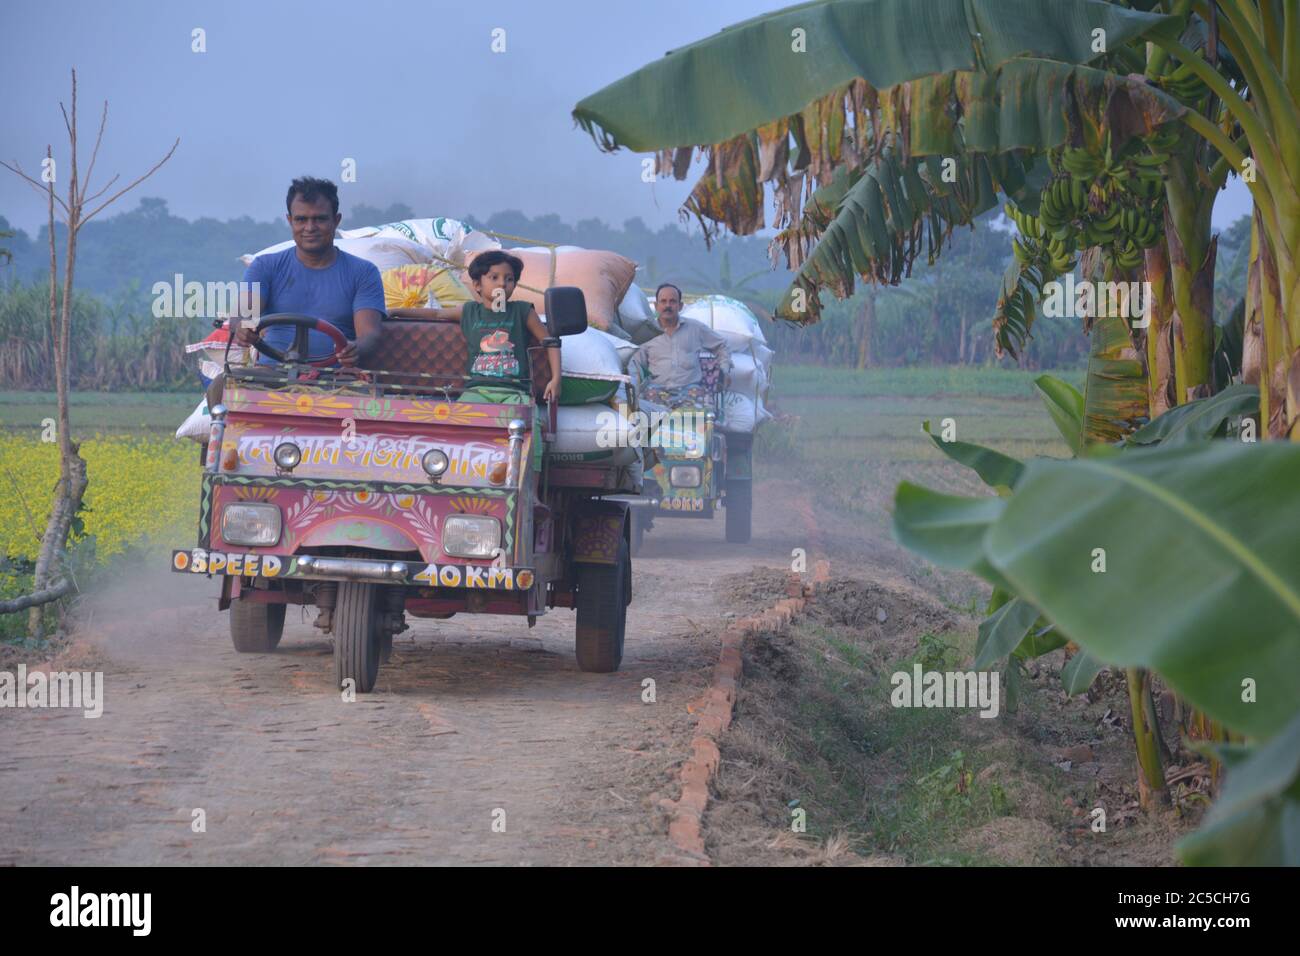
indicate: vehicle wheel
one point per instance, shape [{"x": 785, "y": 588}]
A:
[
  {"x": 638, "y": 531},
  {"x": 256, "y": 628},
  {"x": 356, "y": 635},
  {"x": 739, "y": 510},
  {"x": 602, "y": 612}
]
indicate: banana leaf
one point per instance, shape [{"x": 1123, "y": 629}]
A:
[
  {"x": 1065, "y": 406},
  {"x": 1079, "y": 672},
  {"x": 1003, "y": 631},
  {"x": 754, "y": 73},
  {"x": 996, "y": 469},
  {"x": 1202, "y": 584},
  {"x": 1201, "y": 419},
  {"x": 1256, "y": 820}
]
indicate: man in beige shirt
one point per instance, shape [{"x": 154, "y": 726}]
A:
[{"x": 668, "y": 366}]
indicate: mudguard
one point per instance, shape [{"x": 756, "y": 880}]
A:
[{"x": 597, "y": 529}]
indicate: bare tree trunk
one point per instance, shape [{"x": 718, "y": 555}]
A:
[
  {"x": 51, "y": 579},
  {"x": 866, "y": 323}
]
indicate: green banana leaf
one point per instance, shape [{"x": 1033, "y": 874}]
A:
[
  {"x": 1065, "y": 406},
  {"x": 1256, "y": 820},
  {"x": 1079, "y": 672},
  {"x": 1040, "y": 641},
  {"x": 1201, "y": 585},
  {"x": 1201, "y": 582},
  {"x": 964, "y": 77},
  {"x": 1201, "y": 419},
  {"x": 996, "y": 469},
  {"x": 947, "y": 530},
  {"x": 1003, "y": 631},
  {"x": 753, "y": 73}
]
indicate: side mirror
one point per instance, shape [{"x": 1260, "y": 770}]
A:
[{"x": 566, "y": 310}]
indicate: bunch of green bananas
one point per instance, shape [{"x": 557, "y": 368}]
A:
[
  {"x": 1184, "y": 84},
  {"x": 1122, "y": 225},
  {"x": 1035, "y": 247},
  {"x": 1062, "y": 201},
  {"x": 1127, "y": 253},
  {"x": 1029, "y": 226}
]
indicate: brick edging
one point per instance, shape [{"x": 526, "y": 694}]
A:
[{"x": 685, "y": 830}]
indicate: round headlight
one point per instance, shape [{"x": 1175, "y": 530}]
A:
[
  {"x": 434, "y": 462},
  {"x": 287, "y": 455}
]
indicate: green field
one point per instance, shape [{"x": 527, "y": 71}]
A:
[
  {"x": 853, "y": 436},
  {"x": 148, "y": 412},
  {"x": 919, "y": 382}
]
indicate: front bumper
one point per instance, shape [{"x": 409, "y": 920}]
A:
[{"x": 316, "y": 568}]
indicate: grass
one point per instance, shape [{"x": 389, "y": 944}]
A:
[
  {"x": 853, "y": 450},
  {"x": 811, "y": 380},
  {"x": 151, "y": 412}
]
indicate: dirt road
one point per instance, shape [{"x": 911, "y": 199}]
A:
[{"x": 477, "y": 721}]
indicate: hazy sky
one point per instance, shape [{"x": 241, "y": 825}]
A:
[{"x": 411, "y": 90}]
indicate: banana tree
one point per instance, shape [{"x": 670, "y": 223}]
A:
[
  {"x": 1260, "y": 140},
  {"x": 902, "y": 127}
]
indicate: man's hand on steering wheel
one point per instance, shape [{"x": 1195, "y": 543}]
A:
[
  {"x": 245, "y": 335},
  {"x": 348, "y": 357},
  {"x": 303, "y": 324}
]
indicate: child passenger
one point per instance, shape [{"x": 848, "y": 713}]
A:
[{"x": 498, "y": 333}]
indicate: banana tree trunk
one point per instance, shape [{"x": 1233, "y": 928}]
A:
[
  {"x": 1159, "y": 331},
  {"x": 1192, "y": 253},
  {"x": 1152, "y": 791},
  {"x": 1192, "y": 250}
]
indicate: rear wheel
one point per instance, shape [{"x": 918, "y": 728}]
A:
[
  {"x": 602, "y": 612},
  {"x": 256, "y": 628},
  {"x": 356, "y": 635},
  {"x": 739, "y": 510}
]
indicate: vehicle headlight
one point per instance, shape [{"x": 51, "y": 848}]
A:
[
  {"x": 434, "y": 462},
  {"x": 251, "y": 524},
  {"x": 684, "y": 476},
  {"x": 471, "y": 536},
  {"x": 287, "y": 455}
]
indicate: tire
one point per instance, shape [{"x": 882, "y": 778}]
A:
[
  {"x": 602, "y": 613},
  {"x": 256, "y": 628},
  {"x": 739, "y": 510},
  {"x": 356, "y": 635}
]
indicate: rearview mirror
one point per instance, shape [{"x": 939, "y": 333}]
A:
[{"x": 566, "y": 310}]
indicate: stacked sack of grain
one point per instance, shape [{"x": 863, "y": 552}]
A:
[
  {"x": 636, "y": 316},
  {"x": 426, "y": 285},
  {"x": 386, "y": 252},
  {"x": 744, "y": 405},
  {"x": 590, "y": 424},
  {"x": 448, "y": 241}
]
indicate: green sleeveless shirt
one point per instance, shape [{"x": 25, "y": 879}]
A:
[{"x": 498, "y": 344}]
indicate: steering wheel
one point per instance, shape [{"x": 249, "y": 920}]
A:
[{"x": 303, "y": 324}]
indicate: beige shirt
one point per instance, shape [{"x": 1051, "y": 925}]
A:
[{"x": 674, "y": 360}]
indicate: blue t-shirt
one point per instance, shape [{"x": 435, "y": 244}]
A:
[{"x": 333, "y": 294}]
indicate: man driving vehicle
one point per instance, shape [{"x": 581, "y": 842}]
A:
[
  {"x": 668, "y": 366},
  {"x": 312, "y": 278}
]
